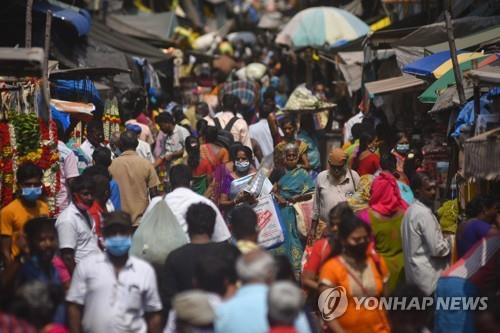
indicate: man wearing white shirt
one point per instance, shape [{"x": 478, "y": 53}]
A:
[
  {"x": 261, "y": 132},
  {"x": 112, "y": 291},
  {"x": 426, "y": 250},
  {"x": 95, "y": 138},
  {"x": 170, "y": 142},
  {"x": 75, "y": 227},
  {"x": 182, "y": 197},
  {"x": 239, "y": 130},
  {"x": 69, "y": 169}
]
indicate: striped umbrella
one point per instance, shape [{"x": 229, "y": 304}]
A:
[{"x": 321, "y": 27}]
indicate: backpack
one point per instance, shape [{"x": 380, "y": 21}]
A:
[{"x": 224, "y": 136}]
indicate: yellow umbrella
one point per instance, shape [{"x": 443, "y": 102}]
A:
[{"x": 447, "y": 65}]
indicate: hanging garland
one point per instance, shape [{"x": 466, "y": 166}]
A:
[
  {"x": 29, "y": 139},
  {"x": 111, "y": 118},
  {"x": 6, "y": 165},
  {"x": 49, "y": 163}
]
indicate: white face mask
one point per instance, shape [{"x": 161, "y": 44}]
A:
[
  {"x": 242, "y": 166},
  {"x": 402, "y": 148}
]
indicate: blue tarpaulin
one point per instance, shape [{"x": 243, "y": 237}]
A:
[
  {"x": 80, "y": 19},
  {"x": 427, "y": 65},
  {"x": 78, "y": 91},
  {"x": 466, "y": 116},
  {"x": 61, "y": 117}
]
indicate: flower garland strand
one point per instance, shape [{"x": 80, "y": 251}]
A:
[
  {"x": 43, "y": 153},
  {"x": 111, "y": 118},
  {"x": 6, "y": 166}
]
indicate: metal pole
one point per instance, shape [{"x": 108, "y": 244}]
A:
[
  {"x": 453, "y": 51},
  {"x": 309, "y": 69},
  {"x": 29, "y": 23}
]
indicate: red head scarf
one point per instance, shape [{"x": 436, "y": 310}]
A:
[{"x": 385, "y": 196}]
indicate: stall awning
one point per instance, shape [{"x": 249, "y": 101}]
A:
[
  {"x": 82, "y": 73},
  {"x": 478, "y": 151},
  {"x": 436, "y": 33},
  {"x": 449, "y": 98},
  {"x": 426, "y": 65},
  {"x": 400, "y": 83},
  {"x": 431, "y": 94},
  {"x": 488, "y": 74},
  {"x": 21, "y": 62},
  {"x": 154, "y": 26},
  {"x": 126, "y": 44},
  {"x": 468, "y": 41}
]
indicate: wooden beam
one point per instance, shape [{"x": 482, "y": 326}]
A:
[
  {"x": 29, "y": 24},
  {"x": 453, "y": 52},
  {"x": 46, "y": 46},
  {"x": 45, "y": 112}
]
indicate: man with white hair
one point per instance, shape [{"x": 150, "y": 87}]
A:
[
  {"x": 285, "y": 301},
  {"x": 247, "y": 311}
]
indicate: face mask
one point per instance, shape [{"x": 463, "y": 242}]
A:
[
  {"x": 80, "y": 204},
  {"x": 357, "y": 251},
  {"x": 402, "y": 148},
  {"x": 117, "y": 152},
  {"x": 372, "y": 149},
  {"x": 118, "y": 245},
  {"x": 242, "y": 166},
  {"x": 31, "y": 193}
]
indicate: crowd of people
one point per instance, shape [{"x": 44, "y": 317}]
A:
[{"x": 372, "y": 229}]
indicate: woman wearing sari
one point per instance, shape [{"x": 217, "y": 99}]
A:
[
  {"x": 294, "y": 186},
  {"x": 385, "y": 214},
  {"x": 201, "y": 169},
  {"x": 230, "y": 179},
  {"x": 289, "y": 128},
  {"x": 359, "y": 201},
  {"x": 366, "y": 160},
  {"x": 361, "y": 273},
  {"x": 307, "y": 135},
  {"x": 210, "y": 150}
]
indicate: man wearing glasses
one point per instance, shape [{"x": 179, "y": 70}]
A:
[{"x": 333, "y": 186}]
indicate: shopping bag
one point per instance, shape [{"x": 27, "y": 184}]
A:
[
  {"x": 158, "y": 234},
  {"x": 271, "y": 231},
  {"x": 303, "y": 214}
]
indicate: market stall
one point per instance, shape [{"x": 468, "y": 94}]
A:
[{"x": 27, "y": 134}]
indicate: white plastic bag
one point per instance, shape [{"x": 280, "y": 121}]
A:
[
  {"x": 271, "y": 232},
  {"x": 158, "y": 234}
]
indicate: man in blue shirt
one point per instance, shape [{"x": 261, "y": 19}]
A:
[{"x": 247, "y": 310}]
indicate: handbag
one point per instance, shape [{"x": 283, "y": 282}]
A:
[{"x": 303, "y": 216}]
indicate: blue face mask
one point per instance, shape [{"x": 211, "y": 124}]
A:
[
  {"x": 118, "y": 245},
  {"x": 31, "y": 193}
]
